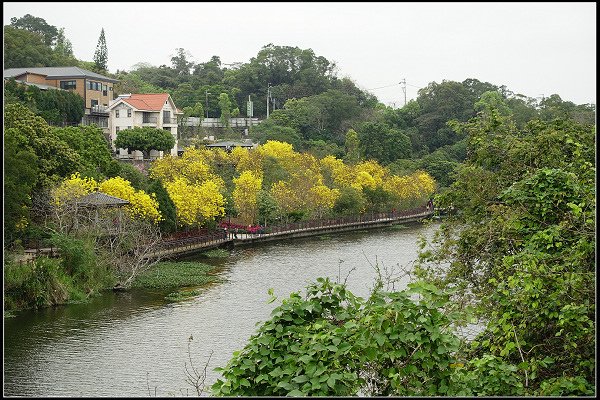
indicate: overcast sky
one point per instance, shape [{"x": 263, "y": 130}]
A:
[{"x": 535, "y": 49}]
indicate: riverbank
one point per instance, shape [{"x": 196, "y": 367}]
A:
[
  {"x": 121, "y": 343},
  {"x": 43, "y": 282}
]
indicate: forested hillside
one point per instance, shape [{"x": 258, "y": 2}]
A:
[{"x": 311, "y": 108}]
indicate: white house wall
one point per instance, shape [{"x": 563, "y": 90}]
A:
[{"x": 137, "y": 120}]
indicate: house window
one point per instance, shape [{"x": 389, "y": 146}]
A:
[
  {"x": 129, "y": 112},
  {"x": 167, "y": 117},
  {"x": 68, "y": 85},
  {"x": 146, "y": 118},
  {"x": 104, "y": 90},
  {"x": 116, "y": 113},
  {"x": 94, "y": 85},
  {"x": 117, "y": 128},
  {"x": 94, "y": 102},
  {"x": 128, "y": 127}
]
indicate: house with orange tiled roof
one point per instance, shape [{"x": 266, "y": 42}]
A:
[{"x": 155, "y": 110}]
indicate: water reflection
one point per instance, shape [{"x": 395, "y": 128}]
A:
[{"x": 136, "y": 344}]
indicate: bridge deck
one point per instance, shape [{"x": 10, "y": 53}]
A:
[{"x": 193, "y": 245}]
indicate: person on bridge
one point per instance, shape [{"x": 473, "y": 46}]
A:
[{"x": 430, "y": 204}]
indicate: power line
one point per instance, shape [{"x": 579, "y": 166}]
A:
[
  {"x": 399, "y": 83},
  {"x": 384, "y": 86}
]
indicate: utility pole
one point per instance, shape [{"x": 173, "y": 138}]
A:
[
  {"x": 207, "y": 103},
  {"x": 268, "y": 97},
  {"x": 404, "y": 89}
]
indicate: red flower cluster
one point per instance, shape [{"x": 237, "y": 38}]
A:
[{"x": 242, "y": 228}]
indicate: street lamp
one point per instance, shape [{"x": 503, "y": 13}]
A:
[
  {"x": 268, "y": 98},
  {"x": 207, "y": 93}
]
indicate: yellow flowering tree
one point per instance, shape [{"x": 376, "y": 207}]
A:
[
  {"x": 322, "y": 199},
  {"x": 141, "y": 204},
  {"x": 245, "y": 195},
  {"x": 335, "y": 172},
  {"x": 193, "y": 165},
  {"x": 286, "y": 199},
  {"x": 410, "y": 190},
  {"x": 196, "y": 204},
  {"x": 247, "y": 160},
  {"x": 72, "y": 188}
]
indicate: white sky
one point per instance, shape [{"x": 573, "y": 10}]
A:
[{"x": 533, "y": 49}]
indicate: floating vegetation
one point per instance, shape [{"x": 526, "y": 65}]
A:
[
  {"x": 171, "y": 274},
  {"x": 182, "y": 295},
  {"x": 216, "y": 253},
  {"x": 397, "y": 227}
]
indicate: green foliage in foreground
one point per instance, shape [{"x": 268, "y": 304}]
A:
[
  {"x": 332, "y": 343},
  {"x": 522, "y": 250},
  {"x": 169, "y": 274}
]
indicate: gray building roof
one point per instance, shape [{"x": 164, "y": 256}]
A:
[
  {"x": 99, "y": 199},
  {"x": 58, "y": 72},
  {"x": 43, "y": 87},
  {"x": 230, "y": 144}
]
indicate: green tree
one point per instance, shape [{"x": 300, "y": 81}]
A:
[
  {"x": 56, "y": 159},
  {"x": 165, "y": 205},
  {"x": 57, "y": 107},
  {"x": 20, "y": 175},
  {"x": 352, "y": 147},
  {"x": 270, "y": 130},
  {"x": 145, "y": 139},
  {"x": 331, "y": 343},
  {"x": 89, "y": 142},
  {"x": 26, "y": 49},
  {"x": 521, "y": 250},
  {"x": 101, "y": 54},
  {"x": 382, "y": 143},
  {"x": 208, "y": 73},
  {"x": 37, "y": 25},
  {"x": 225, "y": 106},
  {"x": 131, "y": 82},
  {"x": 351, "y": 202},
  {"x": 63, "y": 45},
  {"x": 181, "y": 65}
]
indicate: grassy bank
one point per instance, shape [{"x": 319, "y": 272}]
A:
[{"x": 47, "y": 282}]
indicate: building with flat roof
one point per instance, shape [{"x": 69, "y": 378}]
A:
[{"x": 95, "y": 89}]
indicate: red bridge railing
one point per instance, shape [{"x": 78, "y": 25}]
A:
[{"x": 205, "y": 238}]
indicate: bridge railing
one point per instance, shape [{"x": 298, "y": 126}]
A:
[
  {"x": 205, "y": 237},
  {"x": 341, "y": 221}
]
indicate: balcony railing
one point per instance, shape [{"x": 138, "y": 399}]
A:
[
  {"x": 98, "y": 109},
  {"x": 99, "y": 121},
  {"x": 149, "y": 120}
]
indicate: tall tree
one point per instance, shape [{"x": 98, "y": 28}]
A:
[
  {"x": 63, "y": 46},
  {"x": 101, "y": 54},
  {"x": 180, "y": 62},
  {"x": 37, "y": 25},
  {"x": 26, "y": 49},
  {"x": 225, "y": 105}
]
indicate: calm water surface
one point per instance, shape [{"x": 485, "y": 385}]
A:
[{"x": 136, "y": 343}]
